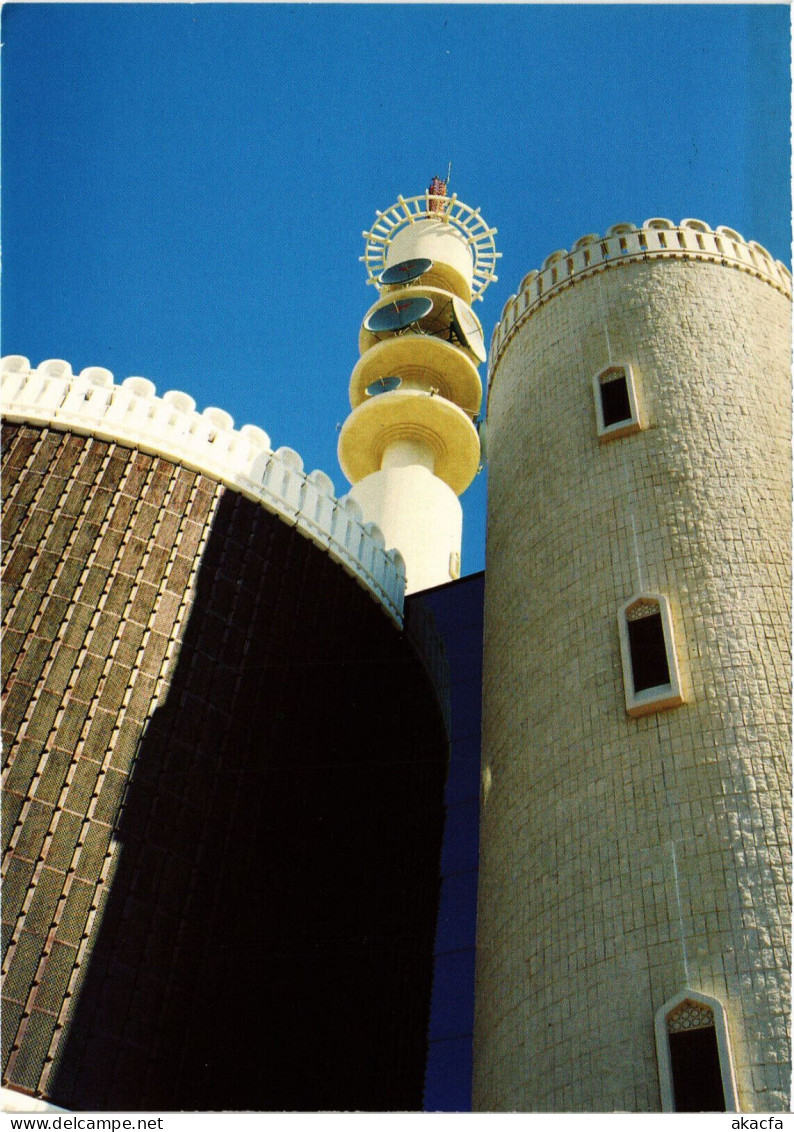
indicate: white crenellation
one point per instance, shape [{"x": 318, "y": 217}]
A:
[
  {"x": 625, "y": 243},
  {"x": 91, "y": 404}
]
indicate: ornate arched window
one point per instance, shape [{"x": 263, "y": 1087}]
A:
[
  {"x": 693, "y": 1050},
  {"x": 651, "y": 676}
]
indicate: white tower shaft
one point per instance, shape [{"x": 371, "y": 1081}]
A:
[{"x": 420, "y": 515}]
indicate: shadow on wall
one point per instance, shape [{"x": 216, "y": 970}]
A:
[{"x": 266, "y": 941}]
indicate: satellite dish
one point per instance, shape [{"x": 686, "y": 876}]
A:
[
  {"x": 383, "y": 385},
  {"x": 467, "y": 328},
  {"x": 398, "y": 315},
  {"x": 404, "y": 272}
]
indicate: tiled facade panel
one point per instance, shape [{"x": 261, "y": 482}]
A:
[
  {"x": 91, "y": 532},
  {"x": 224, "y": 833},
  {"x": 626, "y": 858}
]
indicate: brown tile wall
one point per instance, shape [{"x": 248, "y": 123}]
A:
[
  {"x": 223, "y": 800},
  {"x": 91, "y": 535}
]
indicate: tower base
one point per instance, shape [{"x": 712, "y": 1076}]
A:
[{"x": 421, "y": 516}]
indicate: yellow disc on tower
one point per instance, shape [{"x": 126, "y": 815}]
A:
[
  {"x": 401, "y": 415},
  {"x": 423, "y": 363}
]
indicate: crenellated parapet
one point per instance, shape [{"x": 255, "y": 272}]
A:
[
  {"x": 623, "y": 244},
  {"x": 91, "y": 403}
]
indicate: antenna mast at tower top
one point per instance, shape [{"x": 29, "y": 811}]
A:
[{"x": 436, "y": 194}]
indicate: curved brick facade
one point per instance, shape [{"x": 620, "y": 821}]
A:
[
  {"x": 624, "y": 859},
  {"x": 221, "y": 836}
]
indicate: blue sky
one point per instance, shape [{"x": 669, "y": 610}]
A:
[{"x": 185, "y": 186}]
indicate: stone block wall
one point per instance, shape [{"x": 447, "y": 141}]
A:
[{"x": 624, "y": 859}]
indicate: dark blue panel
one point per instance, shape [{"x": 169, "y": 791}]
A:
[
  {"x": 464, "y": 784},
  {"x": 453, "y": 1009},
  {"x": 448, "y": 1081},
  {"x": 458, "y": 612},
  {"x": 467, "y": 710},
  {"x": 454, "y": 931},
  {"x": 459, "y": 853}
]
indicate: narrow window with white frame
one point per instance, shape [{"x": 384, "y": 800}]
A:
[
  {"x": 616, "y": 404},
  {"x": 694, "y": 1055},
  {"x": 651, "y": 676}
]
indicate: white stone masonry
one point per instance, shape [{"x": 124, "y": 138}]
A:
[{"x": 623, "y": 244}]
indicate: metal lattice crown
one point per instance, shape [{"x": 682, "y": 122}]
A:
[{"x": 449, "y": 210}]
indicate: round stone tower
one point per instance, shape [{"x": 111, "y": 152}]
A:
[
  {"x": 634, "y": 889},
  {"x": 410, "y": 447}
]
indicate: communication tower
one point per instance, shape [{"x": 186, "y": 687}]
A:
[{"x": 410, "y": 446}]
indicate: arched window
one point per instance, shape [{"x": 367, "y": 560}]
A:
[
  {"x": 651, "y": 677},
  {"x": 617, "y": 411},
  {"x": 693, "y": 1050}
]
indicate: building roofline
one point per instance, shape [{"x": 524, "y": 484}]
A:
[
  {"x": 92, "y": 404},
  {"x": 624, "y": 244}
]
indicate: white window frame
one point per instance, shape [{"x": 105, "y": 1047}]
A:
[
  {"x": 723, "y": 1048},
  {"x": 661, "y": 696},
  {"x": 629, "y": 424}
]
